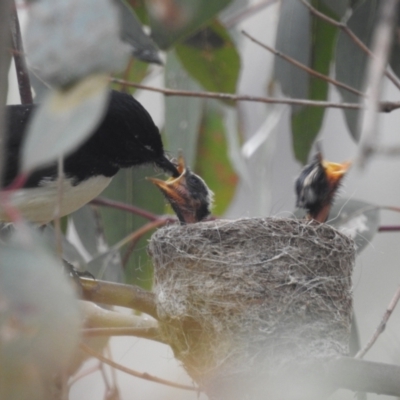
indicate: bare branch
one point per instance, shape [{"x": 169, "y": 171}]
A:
[
  {"x": 385, "y": 106},
  {"x": 381, "y": 44},
  {"x": 24, "y": 84},
  {"x": 142, "y": 375},
  {"x": 352, "y": 36},
  {"x": 145, "y": 333},
  {"x": 117, "y": 294},
  {"x": 101, "y": 201},
  {"x": 304, "y": 67},
  {"x": 5, "y": 8},
  {"x": 382, "y": 325}
]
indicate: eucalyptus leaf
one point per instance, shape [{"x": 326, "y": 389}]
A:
[
  {"x": 293, "y": 38},
  {"x": 89, "y": 230},
  {"x": 143, "y": 47},
  {"x": 67, "y": 40},
  {"x": 131, "y": 187},
  {"x": 69, "y": 251},
  {"x": 174, "y": 20},
  {"x": 64, "y": 120},
  {"x": 338, "y": 7},
  {"x": 135, "y": 71},
  {"x": 107, "y": 267},
  {"x": 213, "y": 163},
  {"x": 307, "y": 122},
  {"x": 210, "y": 57},
  {"x": 182, "y": 114},
  {"x": 39, "y": 307},
  {"x": 351, "y": 61},
  {"x": 395, "y": 53}
]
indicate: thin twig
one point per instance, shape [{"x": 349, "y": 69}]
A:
[
  {"x": 382, "y": 325},
  {"x": 381, "y": 45},
  {"x": 146, "y": 333},
  {"x": 142, "y": 375},
  {"x": 117, "y": 294},
  {"x": 385, "y": 106},
  {"x": 247, "y": 12},
  {"x": 101, "y": 201},
  {"x": 5, "y": 8},
  {"x": 83, "y": 374},
  {"x": 24, "y": 84},
  {"x": 390, "y": 228},
  {"x": 304, "y": 67},
  {"x": 352, "y": 36}
]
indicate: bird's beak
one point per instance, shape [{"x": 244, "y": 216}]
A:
[
  {"x": 174, "y": 188},
  {"x": 335, "y": 171}
]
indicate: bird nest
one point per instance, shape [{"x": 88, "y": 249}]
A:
[{"x": 252, "y": 295}]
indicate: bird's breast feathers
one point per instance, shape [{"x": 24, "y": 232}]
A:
[{"x": 40, "y": 204}]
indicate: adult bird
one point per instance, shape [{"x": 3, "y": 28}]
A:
[
  {"x": 316, "y": 186},
  {"x": 125, "y": 137},
  {"x": 188, "y": 194}
]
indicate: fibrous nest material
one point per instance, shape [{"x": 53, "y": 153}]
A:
[{"x": 250, "y": 296}]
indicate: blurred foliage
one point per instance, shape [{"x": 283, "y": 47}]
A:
[
  {"x": 135, "y": 71},
  {"x": 210, "y": 57},
  {"x": 131, "y": 187},
  {"x": 173, "y": 20},
  {"x": 213, "y": 164}
]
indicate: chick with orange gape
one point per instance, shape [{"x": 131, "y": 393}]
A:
[
  {"x": 188, "y": 194},
  {"x": 317, "y": 185}
]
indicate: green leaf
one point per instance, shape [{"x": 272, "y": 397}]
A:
[
  {"x": 306, "y": 123},
  {"x": 182, "y": 114},
  {"x": 211, "y": 58},
  {"x": 142, "y": 46},
  {"x": 64, "y": 120},
  {"x": 172, "y": 20},
  {"x": 131, "y": 187},
  {"x": 338, "y": 7},
  {"x": 213, "y": 163},
  {"x": 395, "y": 53},
  {"x": 351, "y": 61},
  {"x": 135, "y": 71},
  {"x": 140, "y": 10},
  {"x": 293, "y": 39}
]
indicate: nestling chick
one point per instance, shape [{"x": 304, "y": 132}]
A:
[
  {"x": 316, "y": 186},
  {"x": 188, "y": 194}
]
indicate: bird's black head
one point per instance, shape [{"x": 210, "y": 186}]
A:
[
  {"x": 316, "y": 186},
  {"x": 127, "y": 136},
  {"x": 188, "y": 195}
]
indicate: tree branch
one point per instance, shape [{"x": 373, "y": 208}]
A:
[
  {"x": 142, "y": 375},
  {"x": 298, "y": 64},
  {"x": 385, "y": 106},
  {"x": 4, "y": 65},
  {"x": 24, "y": 84},
  {"x": 102, "y": 322},
  {"x": 352, "y": 36},
  {"x": 382, "y": 325},
  {"x": 117, "y": 294}
]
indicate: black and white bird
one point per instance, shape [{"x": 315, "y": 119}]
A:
[
  {"x": 316, "y": 186},
  {"x": 188, "y": 194},
  {"x": 125, "y": 137}
]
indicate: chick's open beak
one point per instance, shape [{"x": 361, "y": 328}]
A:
[
  {"x": 334, "y": 171},
  {"x": 174, "y": 188}
]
